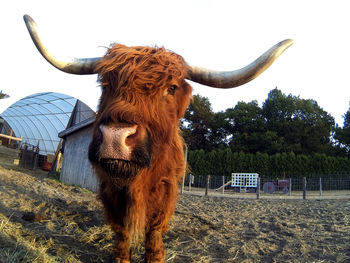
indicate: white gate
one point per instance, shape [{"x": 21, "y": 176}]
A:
[{"x": 244, "y": 181}]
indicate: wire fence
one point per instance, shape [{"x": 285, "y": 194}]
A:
[{"x": 317, "y": 185}]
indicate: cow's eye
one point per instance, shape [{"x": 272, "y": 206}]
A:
[{"x": 172, "y": 89}]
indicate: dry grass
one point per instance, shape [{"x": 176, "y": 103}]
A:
[
  {"x": 69, "y": 227},
  {"x": 65, "y": 229},
  {"x": 15, "y": 247},
  {"x": 240, "y": 230}
]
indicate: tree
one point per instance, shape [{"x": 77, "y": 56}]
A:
[
  {"x": 285, "y": 123},
  {"x": 246, "y": 125},
  {"x": 220, "y": 130},
  {"x": 342, "y": 135},
  {"x": 302, "y": 125},
  {"x": 196, "y": 125},
  {"x": 3, "y": 95},
  {"x": 197, "y": 163}
]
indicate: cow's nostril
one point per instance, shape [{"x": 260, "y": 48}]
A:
[{"x": 132, "y": 137}]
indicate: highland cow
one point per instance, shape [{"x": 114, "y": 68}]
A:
[{"x": 136, "y": 148}]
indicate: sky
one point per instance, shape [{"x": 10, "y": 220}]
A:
[{"x": 219, "y": 35}]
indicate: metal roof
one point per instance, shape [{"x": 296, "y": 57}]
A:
[{"x": 40, "y": 117}]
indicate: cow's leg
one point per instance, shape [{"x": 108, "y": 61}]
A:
[
  {"x": 154, "y": 246},
  {"x": 114, "y": 202},
  {"x": 122, "y": 248}
]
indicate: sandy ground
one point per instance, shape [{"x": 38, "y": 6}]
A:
[{"x": 43, "y": 220}]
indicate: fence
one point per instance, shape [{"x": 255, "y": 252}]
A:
[
  {"x": 316, "y": 185},
  {"x": 28, "y": 157},
  {"x": 10, "y": 141}
]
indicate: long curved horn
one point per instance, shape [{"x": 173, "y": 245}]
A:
[
  {"x": 231, "y": 79},
  {"x": 79, "y": 66}
]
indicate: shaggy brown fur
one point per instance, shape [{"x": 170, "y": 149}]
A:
[{"x": 146, "y": 87}]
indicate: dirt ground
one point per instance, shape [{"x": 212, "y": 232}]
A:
[{"x": 43, "y": 220}]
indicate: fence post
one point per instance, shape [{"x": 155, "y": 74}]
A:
[
  {"x": 320, "y": 186},
  {"x": 183, "y": 178},
  {"x": 207, "y": 185},
  {"x": 223, "y": 184},
  {"x": 183, "y": 184},
  {"x": 11, "y": 133},
  {"x": 304, "y": 187},
  {"x": 258, "y": 189},
  {"x": 290, "y": 186},
  {"x": 189, "y": 182}
]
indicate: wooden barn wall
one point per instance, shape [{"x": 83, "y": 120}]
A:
[{"x": 76, "y": 168}]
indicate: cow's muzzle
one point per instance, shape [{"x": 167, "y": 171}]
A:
[{"x": 121, "y": 150}]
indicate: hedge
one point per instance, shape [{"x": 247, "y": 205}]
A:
[{"x": 225, "y": 162}]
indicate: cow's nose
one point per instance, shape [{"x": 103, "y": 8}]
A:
[{"x": 118, "y": 141}]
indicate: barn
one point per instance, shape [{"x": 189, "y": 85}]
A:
[{"x": 76, "y": 168}]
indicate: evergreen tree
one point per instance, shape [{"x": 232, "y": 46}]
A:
[
  {"x": 342, "y": 135},
  {"x": 246, "y": 126},
  {"x": 301, "y": 125},
  {"x": 196, "y": 125}
]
